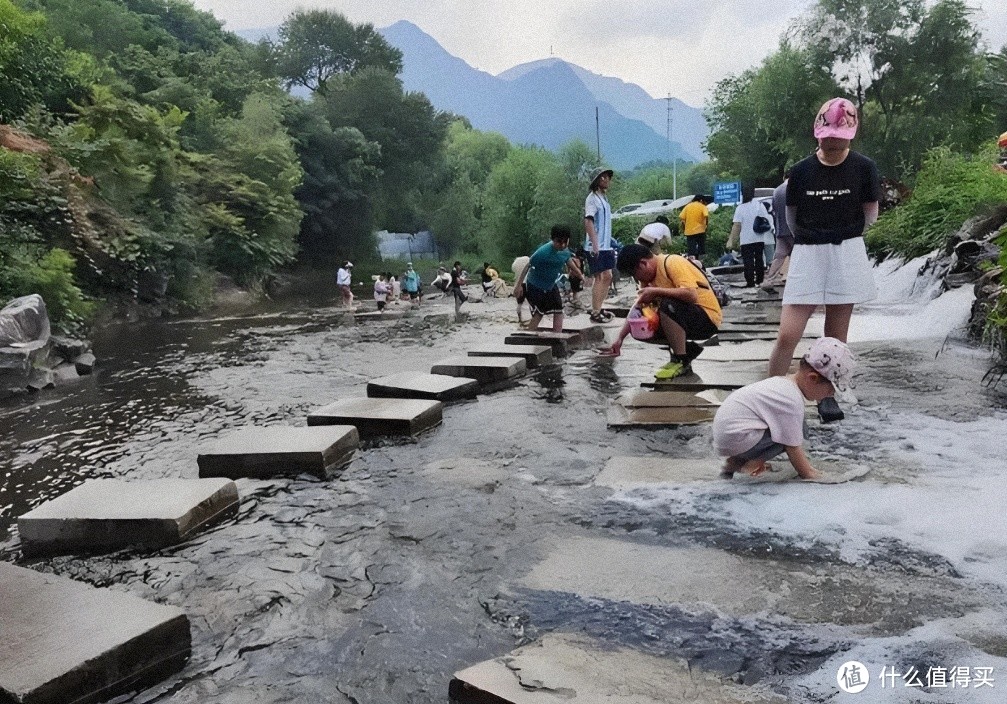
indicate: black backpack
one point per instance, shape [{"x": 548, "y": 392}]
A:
[{"x": 712, "y": 282}]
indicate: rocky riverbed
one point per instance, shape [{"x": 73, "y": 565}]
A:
[{"x": 426, "y": 556}]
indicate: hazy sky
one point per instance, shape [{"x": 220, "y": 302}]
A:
[{"x": 680, "y": 47}]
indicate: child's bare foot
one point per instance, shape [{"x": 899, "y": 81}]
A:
[
  {"x": 813, "y": 474},
  {"x": 755, "y": 467}
]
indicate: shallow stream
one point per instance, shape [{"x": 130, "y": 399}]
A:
[{"x": 429, "y": 555}]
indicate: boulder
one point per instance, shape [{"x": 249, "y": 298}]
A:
[
  {"x": 84, "y": 364},
  {"x": 24, "y": 321},
  {"x": 67, "y": 348}
]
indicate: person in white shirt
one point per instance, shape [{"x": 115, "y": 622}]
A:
[
  {"x": 749, "y": 220},
  {"x": 343, "y": 277}
]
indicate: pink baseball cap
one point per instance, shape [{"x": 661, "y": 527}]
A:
[
  {"x": 833, "y": 360},
  {"x": 837, "y": 118}
]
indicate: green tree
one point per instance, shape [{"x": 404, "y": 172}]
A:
[
  {"x": 762, "y": 119},
  {"x": 316, "y": 45},
  {"x": 915, "y": 69},
  {"x": 340, "y": 177}
]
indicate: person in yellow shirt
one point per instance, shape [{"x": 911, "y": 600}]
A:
[
  {"x": 695, "y": 218},
  {"x": 687, "y": 304}
]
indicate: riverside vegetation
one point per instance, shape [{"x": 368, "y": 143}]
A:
[{"x": 147, "y": 150}]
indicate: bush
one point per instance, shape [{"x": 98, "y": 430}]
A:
[
  {"x": 51, "y": 277},
  {"x": 950, "y": 189}
]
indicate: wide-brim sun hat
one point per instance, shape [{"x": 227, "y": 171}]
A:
[
  {"x": 598, "y": 173},
  {"x": 837, "y": 118}
]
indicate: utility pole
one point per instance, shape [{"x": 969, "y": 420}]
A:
[
  {"x": 671, "y": 149},
  {"x": 597, "y": 132}
]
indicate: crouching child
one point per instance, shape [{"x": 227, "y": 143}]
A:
[{"x": 764, "y": 419}]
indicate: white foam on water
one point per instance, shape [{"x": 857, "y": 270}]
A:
[{"x": 910, "y": 306}]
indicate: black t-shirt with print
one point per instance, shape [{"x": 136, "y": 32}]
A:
[{"x": 830, "y": 199}]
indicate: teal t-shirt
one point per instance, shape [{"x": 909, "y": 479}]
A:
[{"x": 546, "y": 265}]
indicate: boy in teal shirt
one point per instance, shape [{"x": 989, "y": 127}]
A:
[{"x": 538, "y": 280}]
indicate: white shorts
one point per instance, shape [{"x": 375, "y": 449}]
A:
[{"x": 830, "y": 274}]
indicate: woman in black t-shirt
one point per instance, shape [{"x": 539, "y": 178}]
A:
[{"x": 832, "y": 197}]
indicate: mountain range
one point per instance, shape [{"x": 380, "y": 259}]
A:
[{"x": 547, "y": 102}]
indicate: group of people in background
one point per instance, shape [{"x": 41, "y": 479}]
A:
[{"x": 816, "y": 219}]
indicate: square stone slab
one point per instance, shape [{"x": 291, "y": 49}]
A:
[
  {"x": 375, "y": 316},
  {"x": 435, "y": 387},
  {"x": 64, "y": 641},
  {"x": 485, "y": 370},
  {"x": 380, "y": 417},
  {"x": 589, "y": 332},
  {"x": 534, "y": 355},
  {"x": 110, "y": 514},
  {"x": 656, "y": 417},
  {"x": 750, "y": 351},
  {"x": 278, "y": 451},
  {"x": 576, "y": 669},
  {"x": 714, "y": 375},
  {"x": 672, "y": 399},
  {"x": 560, "y": 342}
]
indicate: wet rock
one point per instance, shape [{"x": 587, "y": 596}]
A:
[
  {"x": 41, "y": 379},
  {"x": 84, "y": 364},
  {"x": 68, "y": 348},
  {"x": 24, "y": 320},
  {"x": 151, "y": 285}
]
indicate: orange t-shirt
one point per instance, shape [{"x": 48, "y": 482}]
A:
[
  {"x": 695, "y": 218},
  {"x": 675, "y": 271}
]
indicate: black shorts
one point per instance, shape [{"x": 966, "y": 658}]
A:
[
  {"x": 543, "y": 302},
  {"x": 576, "y": 284},
  {"x": 413, "y": 295},
  {"x": 691, "y": 316},
  {"x": 604, "y": 260}
]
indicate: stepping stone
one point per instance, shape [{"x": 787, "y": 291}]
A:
[
  {"x": 751, "y": 351},
  {"x": 588, "y": 331},
  {"x": 672, "y": 399},
  {"x": 577, "y": 669},
  {"x": 714, "y": 375},
  {"x": 624, "y": 473},
  {"x": 64, "y": 641},
  {"x": 534, "y": 355},
  {"x": 662, "y": 417},
  {"x": 381, "y": 417},
  {"x": 560, "y": 342},
  {"x": 436, "y": 387},
  {"x": 277, "y": 451},
  {"x": 377, "y": 317},
  {"x": 102, "y": 515},
  {"x": 485, "y": 370}
]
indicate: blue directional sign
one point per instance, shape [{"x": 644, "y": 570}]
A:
[{"x": 727, "y": 192}]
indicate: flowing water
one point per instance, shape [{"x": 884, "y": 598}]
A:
[{"x": 428, "y": 555}]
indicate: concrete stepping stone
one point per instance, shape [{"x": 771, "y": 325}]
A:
[
  {"x": 485, "y": 370},
  {"x": 624, "y": 473},
  {"x": 560, "y": 342},
  {"x": 375, "y": 316},
  {"x": 534, "y": 356},
  {"x": 640, "y": 409},
  {"x": 622, "y": 417},
  {"x": 381, "y": 417},
  {"x": 436, "y": 387},
  {"x": 577, "y": 669},
  {"x": 715, "y": 375},
  {"x": 278, "y": 451},
  {"x": 750, "y": 351},
  {"x": 589, "y": 332},
  {"x": 64, "y": 641},
  {"x": 102, "y": 515}
]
